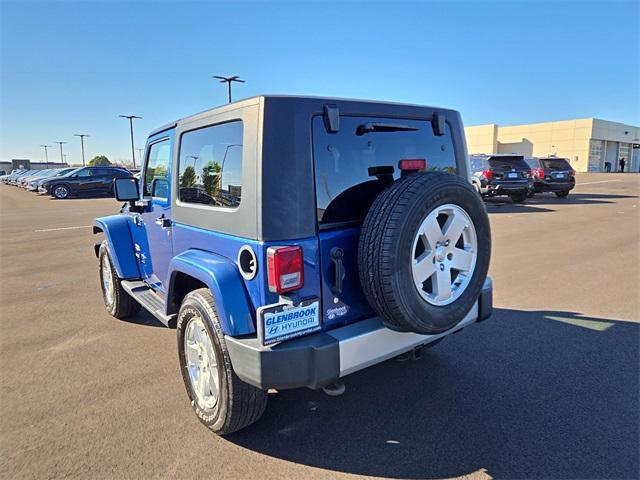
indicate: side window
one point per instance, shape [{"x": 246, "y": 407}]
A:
[
  {"x": 210, "y": 165},
  {"x": 87, "y": 172},
  {"x": 157, "y": 169}
]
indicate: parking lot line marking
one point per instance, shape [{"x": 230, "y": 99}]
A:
[
  {"x": 62, "y": 228},
  {"x": 599, "y": 181},
  {"x": 590, "y": 324}
]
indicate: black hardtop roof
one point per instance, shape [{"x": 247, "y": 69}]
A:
[{"x": 386, "y": 106}]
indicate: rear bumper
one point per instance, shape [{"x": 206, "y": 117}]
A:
[
  {"x": 496, "y": 187},
  {"x": 321, "y": 359},
  {"x": 545, "y": 186}
]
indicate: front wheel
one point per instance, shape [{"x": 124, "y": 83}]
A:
[
  {"x": 60, "y": 191},
  {"x": 116, "y": 299},
  {"x": 562, "y": 194},
  {"x": 220, "y": 400}
]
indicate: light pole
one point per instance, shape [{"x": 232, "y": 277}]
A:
[
  {"x": 46, "y": 154},
  {"x": 224, "y": 159},
  {"x": 81, "y": 135},
  {"x": 133, "y": 148},
  {"x": 61, "y": 154},
  {"x": 228, "y": 81}
]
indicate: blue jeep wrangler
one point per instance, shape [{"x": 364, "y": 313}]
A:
[{"x": 292, "y": 241}]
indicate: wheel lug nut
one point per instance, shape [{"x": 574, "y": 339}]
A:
[
  {"x": 446, "y": 244},
  {"x": 442, "y": 266}
]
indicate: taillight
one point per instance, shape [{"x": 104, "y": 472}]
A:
[
  {"x": 488, "y": 174},
  {"x": 538, "y": 173},
  {"x": 572, "y": 173},
  {"x": 412, "y": 164},
  {"x": 285, "y": 269}
]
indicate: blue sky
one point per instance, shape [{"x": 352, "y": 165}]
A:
[{"x": 74, "y": 67}]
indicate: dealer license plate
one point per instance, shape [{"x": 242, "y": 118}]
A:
[
  {"x": 512, "y": 175},
  {"x": 560, "y": 175},
  {"x": 277, "y": 323}
]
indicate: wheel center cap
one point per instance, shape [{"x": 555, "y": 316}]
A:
[{"x": 440, "y": 253}]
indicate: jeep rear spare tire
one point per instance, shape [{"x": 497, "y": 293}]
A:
[{"x": 424, "y": 252}]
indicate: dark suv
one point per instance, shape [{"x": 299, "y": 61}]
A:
[
  {"x": 292, "y": 241},
  {"x": 500, "y": 174},
  {"x": 552, "y": 174},
  {"x": 84, "y": 181}
]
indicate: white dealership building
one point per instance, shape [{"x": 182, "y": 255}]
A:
[{"x": 588, "y": 143}]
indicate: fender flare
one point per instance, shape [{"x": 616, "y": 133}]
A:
[
  {"x": 219, "y": 274},
  {"x": 119, "y": 243}
]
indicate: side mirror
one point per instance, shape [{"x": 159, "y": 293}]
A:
[{"x": 126, "y": 189}]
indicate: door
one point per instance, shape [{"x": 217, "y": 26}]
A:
[
  {"x": 156, "y": 249},
  {"x": 104, "y": 179},
  {"x": 352, "y": 166},
  {"x": 86, "y": 181}
]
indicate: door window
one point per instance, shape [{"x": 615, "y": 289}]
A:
[
  {"x": 157, "y": 170},
  {"x": 85, "y": 173}
]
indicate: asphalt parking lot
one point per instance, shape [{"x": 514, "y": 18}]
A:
[{"x": 547, "y": 388}]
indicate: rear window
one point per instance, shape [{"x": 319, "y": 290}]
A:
[
  {"x": 345, "y": 189},
  {"x": 533, "y": 162},
  {"x": 477, "y": 163},
  {"x": 556, "y": 164},
  {"x": 507, "y": 162}
]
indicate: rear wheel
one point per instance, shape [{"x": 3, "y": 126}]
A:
[
  {"x": 424, "y": 252},
  {"x": 60, "y": 191},
  {"x": 116, "y": 299},
  {"x": 221, "y": 401},
  {"x": 562, "y": 194},
  {"x": 519, "y": 197}
]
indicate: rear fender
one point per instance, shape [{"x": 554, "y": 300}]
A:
[
  {"x": 119, "y": 243},
  {"x": 222, "y": 277}
]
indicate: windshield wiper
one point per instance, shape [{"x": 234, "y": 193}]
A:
[{"x": 383, "y": 127}]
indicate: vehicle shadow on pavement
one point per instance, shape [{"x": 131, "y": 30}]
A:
[
  {"x": 144, "y": 318},
  {"x": 576, "y": 198},
  {"x": 527, "y": 394},
  {"x": 507, "y": 206}
]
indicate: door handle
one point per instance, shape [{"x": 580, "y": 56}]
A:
[
  {"x": 163, "y": 221},
  {"x": 336, "y": 254}
]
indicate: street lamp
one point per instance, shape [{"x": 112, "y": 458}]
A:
[
  {"x": 224, "y": 158},
  {"x": 46, "y": 154},
  {"x": 195, "y": 160},
  {"x": 228, "y": 81},
  {"x": 61, "y": 154},
  {"x": 81, "y": 135},
  {"x": 133, "y": 149}
]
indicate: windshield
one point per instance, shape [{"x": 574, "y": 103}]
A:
[
  {"x": 43, "y": 173},
  {"x": 70, "y": 172},
  {"x": 508, "y": 162},
  {"x": 556, "y": 164},
  {"x": 353, "y": 165}
]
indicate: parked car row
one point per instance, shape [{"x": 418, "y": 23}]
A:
[
  {"x": 521, "y": 177},
  {"x": 66, "y": 182}
]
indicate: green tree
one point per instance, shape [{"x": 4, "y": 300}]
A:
[
  {"x": 211, "y": 177},
  {"x": 99, "y": 161},
  {"x": 188, "y": 178}
]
